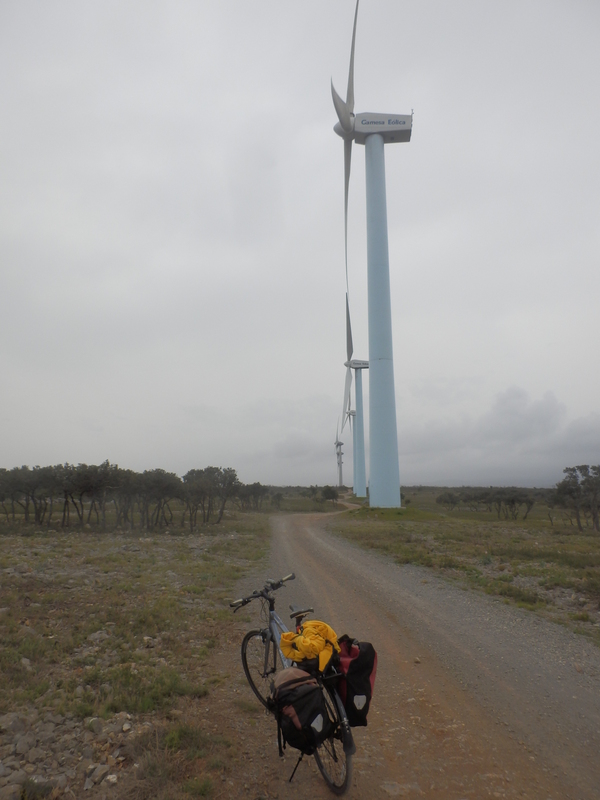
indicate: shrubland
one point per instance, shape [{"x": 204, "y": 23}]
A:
[
  {"x": 540, "y": 559},
  {"x": 100, "y": 628}
]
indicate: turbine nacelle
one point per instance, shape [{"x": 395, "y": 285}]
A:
[
  {"x": 393, "y": 127},
  {"x": 356, "y": 364}
]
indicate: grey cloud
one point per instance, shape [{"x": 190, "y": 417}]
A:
[
  {"x": 299, "y": 448},
  {"x": 514, "y": 417},
  {"x": 443, "y": 391},
  {"x": 519, "y": 440},
  {"x": 171, "y": 233}
]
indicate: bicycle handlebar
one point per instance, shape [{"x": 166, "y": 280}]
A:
[{"x": 270, "y": 586}]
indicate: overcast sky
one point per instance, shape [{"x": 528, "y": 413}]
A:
[{"x": 171, "y": 234}]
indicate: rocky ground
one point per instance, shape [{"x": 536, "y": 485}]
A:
[
  {"x": 60, "y": 754},
  {"x": 105, "y": 653},
  {"x": 121, "y": 674}
]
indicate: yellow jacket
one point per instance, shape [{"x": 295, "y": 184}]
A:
[{"x": 315, "y": 639}]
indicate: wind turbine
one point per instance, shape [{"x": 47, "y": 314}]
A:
[
  {"x": 338, "y": 455},
  {"x": 374, "y": 131},
  {"x": 355, "y": 417}
]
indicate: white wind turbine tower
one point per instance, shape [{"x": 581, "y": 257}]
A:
[
  {"x": 355, "y": 417},
  {"x": 374, "y": 131}
]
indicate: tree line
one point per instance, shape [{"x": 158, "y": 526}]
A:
[
  {"x": 577, "y": 495},
  {"x": 64, "y": 494},
  {"x": 506, "y": 502}
]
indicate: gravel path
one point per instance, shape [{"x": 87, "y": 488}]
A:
[{"x": 474, "y": 698}]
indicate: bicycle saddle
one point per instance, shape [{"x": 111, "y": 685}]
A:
[{"x": 298, "y": 612}]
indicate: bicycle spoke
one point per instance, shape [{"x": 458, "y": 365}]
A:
[{"x": 333, "y": 762}]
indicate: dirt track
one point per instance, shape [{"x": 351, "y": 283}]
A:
[{"x": 473, "y": 698}]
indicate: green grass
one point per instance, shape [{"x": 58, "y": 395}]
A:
[
  {"x": 581, "y": 616},
  {"x": 175, "y": 759},
  {"x": 146, "y": 689},
  {"x": 198, "y": 787},
  {"x": 191, "y": 739},
  {"x": 35, "y": 791},
  {"x": 249, "y": 707}
]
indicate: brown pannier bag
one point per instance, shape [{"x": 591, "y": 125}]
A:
[{"x": 302, "y": 719}]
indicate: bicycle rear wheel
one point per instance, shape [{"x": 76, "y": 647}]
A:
[
  {"x": 333, "y": 761},
  {"x": 260, "y": 672}
]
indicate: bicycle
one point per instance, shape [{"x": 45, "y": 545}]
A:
[{"x": 262, "y": 657}]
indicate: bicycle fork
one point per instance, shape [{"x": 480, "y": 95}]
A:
[
  {"x": 347, "y": 737},
  {"x": 268, "y": 640}
]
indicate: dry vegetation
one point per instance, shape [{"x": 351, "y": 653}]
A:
[
  {"x": 547, "y": 566},
  {"x": 118, "y": 652},
  {"x": 98, "y": 628}
]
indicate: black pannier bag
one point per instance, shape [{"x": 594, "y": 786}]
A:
[
  {"x": 358, "y": 665},
  {"x": 298, "y": 702}
]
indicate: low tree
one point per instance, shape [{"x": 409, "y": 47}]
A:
[
  {"x": 579, "y": 494},
  {"x": 157, "y": 489},
  {"x": 4, "y": 494},
  {"x": 276, "y": 500},
  {"x": 208, "y": 490},
  {"x": 251, "y": 495},
  {"x": 448, "y": 499},
  {"x": 123, "y": 494},
  {"x": 227, "y": 488},
  {"x": 330, "y": 493},
  {"x": 17, "y": 488},
  {"x": 43, "y": 488},
  {"x": 590, "y": 483},
  {"x": 569, "y": 495},
  {"x": 194, "y": 496}
]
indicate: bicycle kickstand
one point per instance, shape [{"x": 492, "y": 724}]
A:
[{"x": 296, "y": 767}]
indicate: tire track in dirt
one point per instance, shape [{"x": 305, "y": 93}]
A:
[{"x": 431, "y": 730}]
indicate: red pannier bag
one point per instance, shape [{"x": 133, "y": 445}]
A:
[{"x": 358, "y": 665}]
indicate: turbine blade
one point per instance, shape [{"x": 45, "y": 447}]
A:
[
  {"x": 347, "y": 162},
  {"x": 347, "y": 388},
  {"x": 341, "y": 109},
  {"x": 349, "y": 345},
  {"x": 350, "y": 92}
]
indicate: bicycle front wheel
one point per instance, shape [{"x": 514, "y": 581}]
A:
[
  {"x": 260, "y": 660},
  {"x": 334, "y": 763}
]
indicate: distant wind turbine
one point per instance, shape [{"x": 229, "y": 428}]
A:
[
  {"x": 355, "y": 417},
  {"x": 338, "y": 455},
  {"x": 374, "y": 131}
]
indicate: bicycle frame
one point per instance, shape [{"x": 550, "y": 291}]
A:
[{"x": 276, "y": 628}]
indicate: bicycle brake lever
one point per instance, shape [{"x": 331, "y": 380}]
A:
[{"x": 241, "y": 605}]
